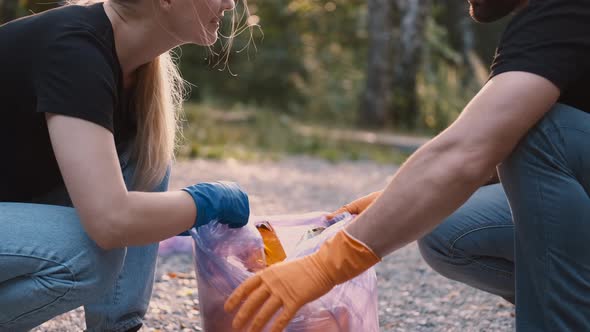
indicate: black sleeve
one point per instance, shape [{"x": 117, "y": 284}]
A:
[
  {"x": 74, "y": 78},
  {"x": 550, "y": 38}
]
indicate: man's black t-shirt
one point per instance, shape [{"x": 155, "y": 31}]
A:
[
  {"x": 61, "y": 61},
  {"x": 551, "y": 38}
]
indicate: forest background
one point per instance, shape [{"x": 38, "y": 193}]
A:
[{"x": 302, "y": 68}]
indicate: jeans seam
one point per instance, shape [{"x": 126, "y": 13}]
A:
[
  {"x": 546, "y": 254},
  {"x": 74, "y": 282},
  {"x": 546, "y": 235},
  {"x": 118, "y": 285},
  {"x": 501, "y": 273},
  {"x": 452, "y": 250},
  {"x": 548, "y": 130}
]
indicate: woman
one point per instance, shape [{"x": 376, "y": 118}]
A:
[{"x": 90, "y": 94}]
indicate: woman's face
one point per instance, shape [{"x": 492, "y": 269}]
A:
[{"x": 197, "y": 21}]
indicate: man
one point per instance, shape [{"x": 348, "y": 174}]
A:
[{"x": 526, "y": 239}]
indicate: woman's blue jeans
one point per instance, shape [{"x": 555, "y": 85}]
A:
[
  {"x": 48, "y": 266},
  {"x": 528, "y": 238}
]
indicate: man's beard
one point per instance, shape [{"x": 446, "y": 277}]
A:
[{"x": 485, "y": 11}]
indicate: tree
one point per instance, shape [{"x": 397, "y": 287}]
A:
[
  {"x": 413, "y": 14},
  {"x": 376, "y": 99},
  {"x": 459, "y": 26}
]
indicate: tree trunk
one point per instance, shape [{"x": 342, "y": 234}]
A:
[
  {"x": 459, "y": 26},
  {"x": 411, "y": 42},
  {"x": 376, "y": 99},
  {"x": 462, "y": 37}
]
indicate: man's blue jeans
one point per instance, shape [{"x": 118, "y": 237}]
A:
[
  {"x": 48, "y": 266},
  {"x": 528, "y": 239}
]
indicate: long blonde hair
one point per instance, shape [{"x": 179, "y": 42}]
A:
[
  {"x": 157, "y": 104},
  {"x": 158, "y": 99}
]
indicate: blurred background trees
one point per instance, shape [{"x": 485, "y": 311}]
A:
[{"x": 406, "y": 65}]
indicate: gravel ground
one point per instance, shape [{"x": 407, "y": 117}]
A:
[{"x": 411, "y": 296}]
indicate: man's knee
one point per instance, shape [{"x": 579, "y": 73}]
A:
[
  {"x": 437, "y": 251},
  {"x": 431, "y": 252},
  {"x": 481, "y": 227}
]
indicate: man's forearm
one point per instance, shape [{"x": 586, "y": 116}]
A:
[
  {"x": 433, "y": 183},
  {"x": 442, "y": 175}
]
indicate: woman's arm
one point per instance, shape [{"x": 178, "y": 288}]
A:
[{"x": 112, "y": 216}]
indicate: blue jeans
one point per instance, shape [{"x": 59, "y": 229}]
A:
[
  {"x": 48, "y": 266},
  {"x": 528, "y": 239}
]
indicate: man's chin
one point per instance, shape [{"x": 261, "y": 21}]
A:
[
  {"x": 488, "y": 12},
  {"x": 483, "y": 18}
]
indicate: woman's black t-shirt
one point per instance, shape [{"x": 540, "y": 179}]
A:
[{"x": 60, "y": 61}]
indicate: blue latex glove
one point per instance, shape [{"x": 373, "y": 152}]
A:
[{"x": 221, "y": 201}]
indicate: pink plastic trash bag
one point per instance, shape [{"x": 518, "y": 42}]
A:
[
  {"x": 225, "y": 257},
  {"x": 176, "y": 245}
]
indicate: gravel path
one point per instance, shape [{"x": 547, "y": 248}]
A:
[{"x": 411, "y": 296}]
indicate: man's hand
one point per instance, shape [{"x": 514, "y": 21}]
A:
[
  {"x": 290, "y": 285},
  {"x": 357, "y": 206}
]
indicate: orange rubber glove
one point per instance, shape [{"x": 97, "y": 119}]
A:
[
  {"x": 290, "y": 285},
  {"x": 356, "y": 206}
]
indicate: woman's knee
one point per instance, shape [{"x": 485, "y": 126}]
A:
[
  {"x": 98, "y": 271},
  {"x": 90, "y": 272},
  {"x": 44, "y": 282}
]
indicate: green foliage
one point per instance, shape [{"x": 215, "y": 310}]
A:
[
  {"x": 308, "y": 60},
  {"x": 445, "y": 83},
  {"x": 250, "y": 133}
]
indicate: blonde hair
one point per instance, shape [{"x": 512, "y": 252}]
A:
[
  {"x": 158, "y": 98},
  {"x": 157, "y": 104}
]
